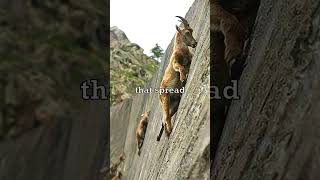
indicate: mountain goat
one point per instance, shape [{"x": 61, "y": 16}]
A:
[
  {"x": 176, "y": 73},
  {"x": 141, "y": 130},
  {"x": 233, "y": 30},
  {"x": 113, "y": 170},
  {"x": 235, "y": 19}
]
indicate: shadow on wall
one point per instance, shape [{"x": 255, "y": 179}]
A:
[{"x": 228, "y": 54}]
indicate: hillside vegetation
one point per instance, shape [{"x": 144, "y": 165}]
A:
[{"x": 129, "y": 66}]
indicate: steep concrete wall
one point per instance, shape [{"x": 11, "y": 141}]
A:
[{"x": 185, "y": 155}]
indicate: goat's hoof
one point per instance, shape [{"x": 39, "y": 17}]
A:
[
  {"x": 168, "y": 134},
  {"x": 168, "y": 131},
  {"x": 183, "y": 77}
]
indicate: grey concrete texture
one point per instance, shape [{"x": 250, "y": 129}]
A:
[{"x": 185, "y": 155}]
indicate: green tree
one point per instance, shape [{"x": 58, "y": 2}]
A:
[{"x": 157, "y": 52}]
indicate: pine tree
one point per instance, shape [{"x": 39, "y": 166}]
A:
[{"x": 157, "y": 52}]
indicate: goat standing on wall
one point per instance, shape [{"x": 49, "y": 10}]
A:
[
  {"x": 114, "y": 171},
  {"x": 141, "y": 130},
  {"x": 176, "y": 73},
  {"x": 234, "y": 31}
]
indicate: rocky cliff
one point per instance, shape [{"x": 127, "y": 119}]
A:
[
  {"x": 129, "y": 67},
  {"x": 185, "y": 155},
  {"x": 272, "y": 132},
  {"x": 47, "y": 48}
]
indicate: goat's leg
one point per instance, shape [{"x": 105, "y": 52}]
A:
[
  {"x": 138, "y": 143},
  {"x": 174, "y": 104},
  {"x": 234, "y": 41},
  {"x": 165, "y": 104},
  {"x": 117, "y": 164},
  {"x": 180, "y": 68},
  {"x": 160, "y": 133}
]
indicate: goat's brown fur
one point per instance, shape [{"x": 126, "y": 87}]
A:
[
  {"x": 176, "y": 72},
  {"x": 141, "y": 130},
  {"x": 117, "y": 176},
  {"x": 113, "y": 171},
  {"x": 234, "y": 23},
  {"x": 114, "y": 167}
]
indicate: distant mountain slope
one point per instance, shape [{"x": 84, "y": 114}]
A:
[{"x": 130, "y": 67}]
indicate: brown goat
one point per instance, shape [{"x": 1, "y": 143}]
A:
[
  {"x": 118, "y": 176},
  {"x": 115, "y": 166},
  {"x": 141, "y": 130},
  {"x": 113, "y": 170},
  {"x": 233, "y": 30},
  {"x": 176, "y": 72}
]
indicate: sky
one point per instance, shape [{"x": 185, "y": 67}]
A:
[{"x": 147, "y": 22}]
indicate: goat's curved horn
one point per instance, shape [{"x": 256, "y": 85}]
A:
[
  {"x": 184, "y": 21},
  {"x": 178, "y": 29}
]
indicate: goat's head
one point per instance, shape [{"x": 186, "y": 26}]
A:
[
  {"x": 145, "y": 114},
  {"x": 186, "y": 33}
]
